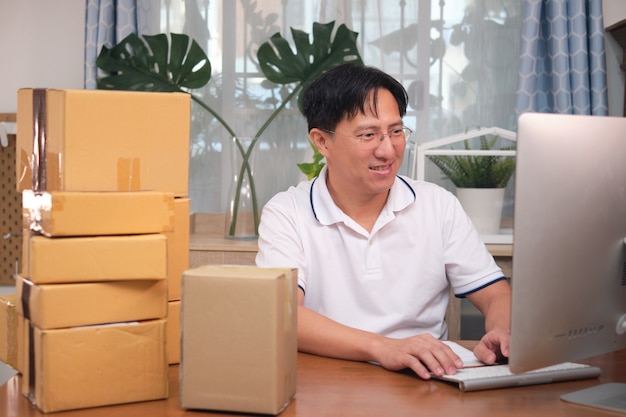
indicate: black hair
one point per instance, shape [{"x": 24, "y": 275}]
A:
[{"x": 343, "y": 91}]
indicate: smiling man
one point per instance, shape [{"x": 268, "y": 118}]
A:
[{"x": 377, "y": 252}]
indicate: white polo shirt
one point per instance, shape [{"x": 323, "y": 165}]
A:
[{"x": 393, "y": 281}]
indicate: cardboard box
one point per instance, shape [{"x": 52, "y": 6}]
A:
[
  {"x": 239, "y": 346},
  {"x": 97, "y": 213},
  {"x": 94, "y": 259},
  {"x": 178, "y": 247},
  {"x": 173, "y": 332},
  {"x": 93, "y": 366},
  {"x": 8, "y": 330},
  {"x": 83, "y": 304},
  {"x": 97, "y": 140}
]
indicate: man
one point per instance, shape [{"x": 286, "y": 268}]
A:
[{"x": 376, "y": 252}]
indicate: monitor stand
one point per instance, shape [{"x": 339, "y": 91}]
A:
[{"x": 608, "y": 396}]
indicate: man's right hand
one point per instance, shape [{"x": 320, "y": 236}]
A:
[{"x": 422, "y": 353}]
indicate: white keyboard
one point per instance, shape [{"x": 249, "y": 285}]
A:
[
  {"x": 500, "y": 376},
  {"x": 495, "y": 371}
]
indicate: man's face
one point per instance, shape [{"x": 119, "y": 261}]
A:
[{"x": 359, "y": 169}]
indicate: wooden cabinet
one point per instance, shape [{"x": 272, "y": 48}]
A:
[{"x": 208, "y": 246}]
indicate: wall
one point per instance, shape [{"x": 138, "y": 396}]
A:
[{"x": 41, "y": 45}]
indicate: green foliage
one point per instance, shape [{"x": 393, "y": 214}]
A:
[
  {"x": 153, "y": 63},
  {"x": 312, "y": 169},
  {"x": 281, "y": 66},
  {"x": 477, "y": 171}
]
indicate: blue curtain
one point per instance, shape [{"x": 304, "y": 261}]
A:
[
  {"x": 107, "y": 22},
  {"x": 562, "y": 62}
]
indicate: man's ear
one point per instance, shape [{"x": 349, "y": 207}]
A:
[{"x": 320, "y": 140}]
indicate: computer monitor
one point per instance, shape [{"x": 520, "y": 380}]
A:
[{"x": 569, "y": 251}]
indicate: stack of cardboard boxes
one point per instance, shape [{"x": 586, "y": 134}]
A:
[{"x": 104, "y": 176}]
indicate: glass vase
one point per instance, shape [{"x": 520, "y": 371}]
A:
[{"x": 242, "y": 214}]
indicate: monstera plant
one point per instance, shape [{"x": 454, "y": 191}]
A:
[{"x": 176, "y": 63}]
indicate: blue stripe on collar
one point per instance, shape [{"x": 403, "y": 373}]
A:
[
  {"x": 315, "y": 179},
  {"x": 407, "y": 184}
]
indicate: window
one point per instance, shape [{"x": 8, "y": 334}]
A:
[{"x": 457, "y": 58}]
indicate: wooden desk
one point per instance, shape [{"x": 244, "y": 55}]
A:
[{"x": 330, "y": 387}]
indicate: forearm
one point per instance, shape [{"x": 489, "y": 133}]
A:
[{"x": 322, "y": 336}]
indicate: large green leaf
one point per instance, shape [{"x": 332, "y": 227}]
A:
[
  {"x": 154, "y": 64},
  {"x": 281, "y": 65}
]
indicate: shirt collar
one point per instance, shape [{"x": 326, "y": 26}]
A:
[{"x": 326, "y": 212}]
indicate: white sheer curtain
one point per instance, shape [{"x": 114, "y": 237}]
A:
[{"x": 457, "y": 58}]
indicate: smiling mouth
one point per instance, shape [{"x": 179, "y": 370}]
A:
[{"x": 381, "y": 168}]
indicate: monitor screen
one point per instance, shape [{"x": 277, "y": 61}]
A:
[{"x": 569, "y": 250}]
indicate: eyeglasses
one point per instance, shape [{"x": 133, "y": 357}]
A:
[{"x": 373, "y": 138}]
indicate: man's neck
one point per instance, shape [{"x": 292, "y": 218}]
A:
[{"x": 363, "y": 209}]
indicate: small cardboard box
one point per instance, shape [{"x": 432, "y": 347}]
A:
[
  {"x": 178, "y": 247},
  {"x": 97, "y": 140},
  {"x": 60, "y": 213},
  {"x": 83, "y": 304},
  {"x": 239, "y": 346},
  {"x": 93, "y": 366},
  {"x": 49, "y": 260},
  {"x": 173, "y": 332},
  {"x": 8, "y": 330}
]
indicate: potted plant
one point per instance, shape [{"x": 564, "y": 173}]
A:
[
  {"x": 480, "y": 180},
  {"x": 178, "y": 64}
]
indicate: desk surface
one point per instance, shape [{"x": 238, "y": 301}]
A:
[{"x": 329, "y": 387}]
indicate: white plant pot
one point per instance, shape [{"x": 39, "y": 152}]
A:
[{"x": 484, "y": 207}]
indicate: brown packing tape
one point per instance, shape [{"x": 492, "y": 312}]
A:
[
  {"x": 27, "y": 285},
  {"x": 129, "y": 174},
  {"x": 39, "y": 139},
  {"x": 33, "y": 203},
  {"x": 171, "y": 206},
  {"x": 58, "y": 201},
  {"x": 54, "y": 165},
  {"x": 24, "y": 170},
  {"x": 24, "y": 140}
]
